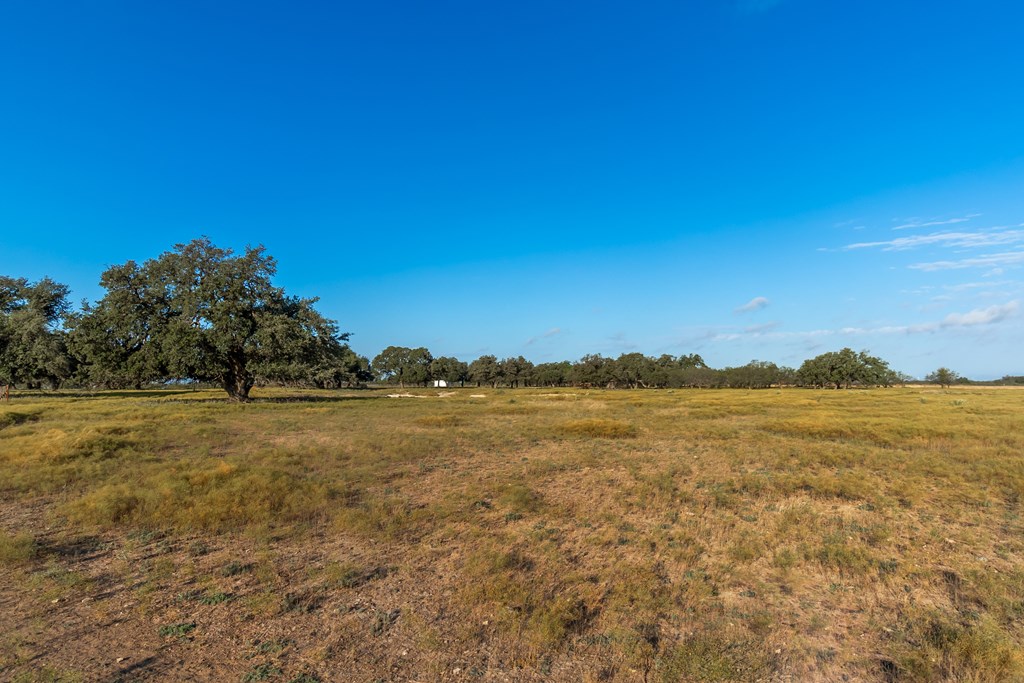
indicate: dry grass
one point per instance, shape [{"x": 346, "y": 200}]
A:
[
  {"x": 597, "y": 428},
  {"x": 613, "y": 536}
]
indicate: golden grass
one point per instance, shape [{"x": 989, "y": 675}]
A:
[
  {"x": 635, "y": 535},
  {"x": 598, "y": 428},
  {"x": 16, "y": 548}
]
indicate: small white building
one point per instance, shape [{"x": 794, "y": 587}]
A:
[{"x": 440, "y": 384}]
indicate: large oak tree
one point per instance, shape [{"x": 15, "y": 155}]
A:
[{"x": 204, "y": 313}]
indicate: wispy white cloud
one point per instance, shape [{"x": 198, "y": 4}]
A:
[
  {"x": 755, "y": 304},
  {"x": 764, "y": 327},
  {"x": 966, "y": 240},
  {"x": 981, "y": 316},
  {"x": 995, "y": 261},
  {"x": 975, "y": 318},
  {"x": 909, "y": 223},
  {"x": 964, "y": 286},
  {"x": 554, "y": 331}
]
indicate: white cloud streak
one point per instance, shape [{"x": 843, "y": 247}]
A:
[
  {"x": 917, "y": 223},
  {"x": 1007, "y": 258},
  {"x": 966, "y": 240},
  {"x": 764, "y": 327},
  {"x": 755, "y": 304},
  {"x": 554, "y": 331},
  {"x": 978, "y": 317}
]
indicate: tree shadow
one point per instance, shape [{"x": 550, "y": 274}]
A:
[
  {"x": 277, "y": 399},
  {"x": 184, "y": 396}
]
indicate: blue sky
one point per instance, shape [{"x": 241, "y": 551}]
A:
[{"x": 742, "y": 179}]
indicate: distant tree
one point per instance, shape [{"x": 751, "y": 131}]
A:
[
  {"x": 552, "y": 374},
  {"x": 633, "y": 370},
  {"x": 692, "y": 360},
  {"x": 484, "y": 370},
  {"x": 402, "y": 365},
  {"x": 844, "y": 368},
  {"x": 593, "y": 370},
  {"x": 202, "y": 313},
  {"x": 943, "y": 377},
  {"x": 33, "y": 341},
  {"x": 451, "y": 370},
  {"x": 513, "y": 371},
  {"x": 699, "y": 377},
  {"x": 349, "y": 368},
  {"x": 756, "y": 375}
]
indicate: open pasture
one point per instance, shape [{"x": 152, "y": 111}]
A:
[{"x": 513, "y": 535}]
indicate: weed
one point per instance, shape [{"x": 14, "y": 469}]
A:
[
  {"x": 234, "y": 568},
  {"x": 352, "y": 576},
  {"x": 177, "y": 630},
  {"x": 382, "y": 621},
  {"x": 217, "y": 598},
  {"x": 715, "y": 655},
  {"x": 302, "y": 602}
]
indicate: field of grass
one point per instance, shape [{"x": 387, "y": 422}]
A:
[{"x": 526, "y": 535}]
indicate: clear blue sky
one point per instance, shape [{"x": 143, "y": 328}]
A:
[{"x": 744, "y": 179}]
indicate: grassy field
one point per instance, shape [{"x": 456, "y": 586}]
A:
[{"x": 525, "y": 535}]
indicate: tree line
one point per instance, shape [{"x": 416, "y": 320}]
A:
[
  {"x": 199, "y": 313},
  {"x": 841, "y": 369}
]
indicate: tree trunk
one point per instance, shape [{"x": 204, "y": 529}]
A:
[{"x": 237, "y": 381}]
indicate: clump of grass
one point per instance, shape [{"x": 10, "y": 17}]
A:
[
  {"x": 383, "y": 621},
  {"x": 222, "y": 498},
  {"x": 559, "y": 618},
  {"x": 177, "y": 630},
  {"x": 216, "y": 598},
  {"x": 13, "y": 419},
  {"x": 716, "y": 655},
  {"x": 931, "y": 645},
  {"x": 747, "y": 547},
  {"x": 98, "y": 443},
  {"x": 234, "y": 568},
  {"x": 838, "y": 552},
  {"x": 387, "y": 516},
  {"x": 599, "y": 428},
  {"x": 784, "y": 558},
  {"x": 302, "y": 602},
  {"x": 349, "y": 575},
  {"x": 16, "y": 549},
  {"x": 520, "y": 498}
]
